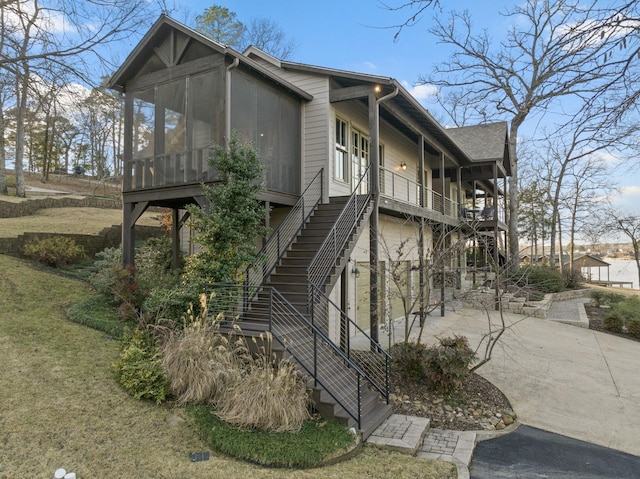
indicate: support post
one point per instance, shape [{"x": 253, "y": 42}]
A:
[{"x": 374, "y": 185}]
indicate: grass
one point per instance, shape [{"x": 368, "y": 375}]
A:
[
  {"x": 68, "y": 220},
  {"x": 60, "y": 405},
  {"x": 98, "y": 312},
  {"x": 317, "y": 442}
]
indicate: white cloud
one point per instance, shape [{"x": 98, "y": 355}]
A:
[
  {"x": 370, "y": 66},
  {"x": 421, "y": 92},
  {"x": 627, "y": 198}
]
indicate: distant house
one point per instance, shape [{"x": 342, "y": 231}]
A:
[{"x": 350, "y": 158}]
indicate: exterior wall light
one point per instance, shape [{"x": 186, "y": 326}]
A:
[
  {"x": 356, "y": 272},
  {"x": 403, "y": 166}
]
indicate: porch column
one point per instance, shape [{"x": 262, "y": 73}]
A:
[
  {"x": 131, "y": 212},
  {"x": 128, "y": 235},
  {"x": 374, "y": 185},
  {"x": 175, "y": 238},
  {"x": 442, "y": 233},
  {"x": 423, "y": 301},
  {"x": 496, "y": 233}
]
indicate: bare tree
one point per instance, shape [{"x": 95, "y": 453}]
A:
[
  {"x": 32, "y": 43},
  {"x": 628, "y": 225},
  {"x": 577, "y": 144},
  {"x": 413, "y": 270},
  {"x": 269, "y": 37},
  {"x": 585, "y": 198},
  {"x": 416, "y": 9},
  {"x": 554, "y": 51}
]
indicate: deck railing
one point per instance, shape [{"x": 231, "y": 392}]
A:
[
  {"x": 398, "y": 187},
  {"x": 186, "y": 167}
]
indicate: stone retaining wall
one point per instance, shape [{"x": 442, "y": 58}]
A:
[
  {"x": 485, "y": 299},
  {"x": 110, "y": 237},
  {"x": 30, "y": 207}
]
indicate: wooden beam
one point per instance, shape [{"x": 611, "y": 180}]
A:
[
  {"x": 136, "y": 213},
  {"x": 350, "y": 93}
]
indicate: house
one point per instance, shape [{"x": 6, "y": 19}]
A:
[{"x": 354, "y": 165}]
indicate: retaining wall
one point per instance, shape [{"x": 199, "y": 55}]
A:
[{"x": 30, "y": 207}]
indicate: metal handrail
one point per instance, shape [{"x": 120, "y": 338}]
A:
[
  {"x": 378, "y": 378},
  {"x": 324, "y": 260},
  {"x": 284, "y": 235},
  {"x": 330, "y": 368}
]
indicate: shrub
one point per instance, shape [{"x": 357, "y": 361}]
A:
[
  {"x": 272, "y": 397},
  {"x": 628, "y": 308},
  {"x": 633, "y": 328},
  {"x": 106, "y": 265},
  {"x": 170, "y": 302},
  {"x": 154, "y": 263},
  {"x": 572, "y": 278},
  {"x": 11, "y": 181},
  {"x": 446, "y": 365},
  {"x": 606, "y": 298},
  {"x": 54, "y": 251},
  {"x": 613, "y": 322},
  {"x": 544, "y": 278},
  {"x": 201, "y": 363},
  {"x": 139, "y": 369},
  {"x": 407, "y": 359}
]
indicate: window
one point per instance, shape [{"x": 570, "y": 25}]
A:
[
  {"x": 359, "y": 161},
  {"x": 382, "y": 171},
  {"x": 342, "y": 150}
]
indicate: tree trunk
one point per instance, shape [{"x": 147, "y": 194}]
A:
[
  {"x": 22, "y": 88},
  {"x": 3, "y": 172},
  {"x": 514, "y": 247}
]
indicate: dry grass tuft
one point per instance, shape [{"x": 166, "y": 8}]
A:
[
  {"x": 200, "y": 362},
  {"x": 272, "y": 397}
]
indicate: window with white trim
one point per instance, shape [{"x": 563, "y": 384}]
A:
[{"x": 342, "y": 150}]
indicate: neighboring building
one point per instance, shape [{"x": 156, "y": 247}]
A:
[{"x": 356, "y": 163}]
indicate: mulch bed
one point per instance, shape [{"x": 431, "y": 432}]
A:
[{"x": 478, "y": 405}]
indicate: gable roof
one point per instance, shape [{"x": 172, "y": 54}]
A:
[
  {"x": 161, "y": 29},
  {"x": 487, "y": 142}
]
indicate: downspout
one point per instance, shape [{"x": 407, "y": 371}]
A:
[
  {"x": 227, "y": 100},
  {"x": 374, "y": 132}
]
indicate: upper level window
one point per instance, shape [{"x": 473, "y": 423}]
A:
[{"x": 342, "y": 150}]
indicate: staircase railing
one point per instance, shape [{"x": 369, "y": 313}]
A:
[
  {"x": 279, "y": 242},
  {"x": 373, "y": 360},
  {"x": 325, "y": 259},
  {"x": 331, "y": 369}
]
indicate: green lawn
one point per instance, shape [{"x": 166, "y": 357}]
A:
[
  {"x": 60, "y": 405},
  {"x": 68, "y": 220}
]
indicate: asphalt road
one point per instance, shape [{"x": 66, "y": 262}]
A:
[{"x": 530, "y": 453}]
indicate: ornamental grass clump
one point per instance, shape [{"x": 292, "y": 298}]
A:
[
  {"x": 272, "y": 397},
  {"x": 200, "y": 362}
]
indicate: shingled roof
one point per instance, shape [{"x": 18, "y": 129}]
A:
[{"x": 488, "y": 142}]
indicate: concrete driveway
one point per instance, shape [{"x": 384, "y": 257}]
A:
[{"x": 558, "y": 377}]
